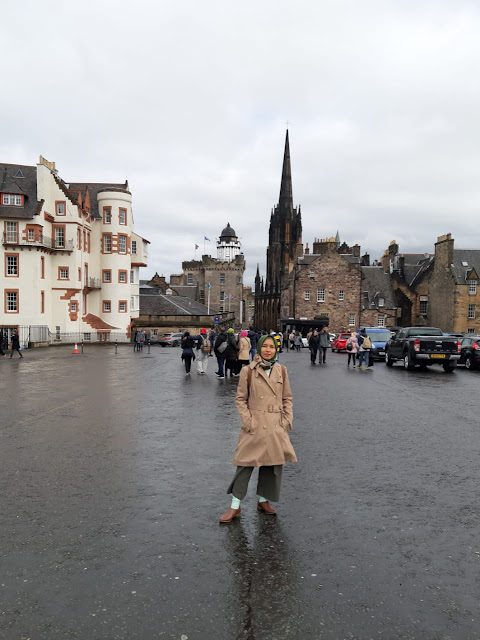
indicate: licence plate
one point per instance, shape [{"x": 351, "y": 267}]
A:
[{"x": 437, "y": 355}]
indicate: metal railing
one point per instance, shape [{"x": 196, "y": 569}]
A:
[
  {"x": 29, "y": 334},
  {"x": 12, "y": 237}
]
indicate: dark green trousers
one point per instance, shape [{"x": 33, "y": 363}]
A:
[{"x": 268, "y": 486}]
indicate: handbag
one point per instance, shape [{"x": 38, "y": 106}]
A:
[
  {"x": 222, "y": 347},
  {"x": 349, "y": 346}
]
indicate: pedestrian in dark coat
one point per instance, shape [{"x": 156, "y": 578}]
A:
[
  {"x": 2, "y": 352},
  {"x": 264, "y": 402},
  {"x": 212, "y": 337},
  {"x": 324, "y": 344},
  {"x": 231, "y": 353},
  {"x": 221, "y": 338},
  {"x": 313, "y": 344},
  {"x": 15, "y": 344},
  {"x": 188, "y": 343},
  {"x": 253, "y": 335}
]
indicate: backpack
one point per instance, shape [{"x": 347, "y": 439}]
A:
[
  {"x": 205, "y": 345},
  {"x": 367, "y": 343}
]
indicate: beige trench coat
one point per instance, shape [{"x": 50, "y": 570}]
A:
[
  {"x": 266, "y": 416},
  {"x": 245, "y": 346}
]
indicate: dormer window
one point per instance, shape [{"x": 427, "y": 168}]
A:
[
  {"x": 12, "y": 200},
  {"x": 381, "y": 303}
]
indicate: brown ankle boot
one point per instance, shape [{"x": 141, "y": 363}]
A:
[
  {"x": 266, "y": 507},
  {"x": 230, "y": 514}
]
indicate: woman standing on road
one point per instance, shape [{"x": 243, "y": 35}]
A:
[
  {"x": 298, "y": 341},
  {"x": 231, "y": 353},
  {"x": 313, "y": 343},
  {"x": 352, "y": 351},
  {"x": 264, "y": 402},
  {"x": 187, "y": 351}
]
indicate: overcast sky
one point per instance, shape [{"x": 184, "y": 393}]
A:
[{"x": 189, "y": 100}]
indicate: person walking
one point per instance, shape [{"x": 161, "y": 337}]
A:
[
  {"x": 231, "y": 353},
  {"x": 203, "y": 352},
  {"x": 352, "y": 348},
  {"x": 15, "y": 344},
  {"x": 324, "y": 344},
  {"x": 253, "y": 336},
  {"x": 212, "y": 336},
  {"x": 313, "y": 345},
  {"x": 2, "y": 352},
  {"x": 188, "y": 343},
  {"x": 244, "y": 346},
  {"x": 298, "y": 341},
  {"x": 219, "y": 348},
  {"x": 285, "y": 340},
  {"x": 264, "y": 402},
  {"x": 291, "y": 337},
  {"x": 278, "y": 342},
  {"x": 364, "y": 349}
]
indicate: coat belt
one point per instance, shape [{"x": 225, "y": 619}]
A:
[{"x": 270, "y": 408}]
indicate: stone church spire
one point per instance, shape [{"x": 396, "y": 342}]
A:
[{"x": 285, "y": 200}]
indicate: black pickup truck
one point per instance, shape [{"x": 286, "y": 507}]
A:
[{"x": 422, "y": 346}]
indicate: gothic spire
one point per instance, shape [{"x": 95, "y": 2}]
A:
[{"x": 286, "y": 196}]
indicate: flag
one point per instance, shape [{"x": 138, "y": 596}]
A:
[
  {"x": 196, "y": 247},
  {"x": 207, "y": 239},
  {"x": 208, "y": 286}
]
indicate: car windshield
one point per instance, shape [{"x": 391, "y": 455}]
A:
[
  {"x": 424, "y": 332},
  {"x": 379, "y": 336},
  {"x": 344, "y": 336}
]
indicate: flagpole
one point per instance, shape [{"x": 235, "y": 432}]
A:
[{"x": 208, "y": 307}]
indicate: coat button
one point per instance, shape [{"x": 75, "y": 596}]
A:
[
  {"x": 264, "y": 426},
  {"x": 261, "y": 396}
]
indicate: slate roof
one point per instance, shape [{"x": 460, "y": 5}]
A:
[
  {"x": 26, "y": 186},
  {"x": 378, "y": 285},
  {"x": 415, "y": 266},
  {"x": 93, "y": 189},
  {"x": 186, "y": 290},
  {"x": 460, "y": 271},
  {"x": 163, "y": 305}
]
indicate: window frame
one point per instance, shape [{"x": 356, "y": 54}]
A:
[
  {"x": 125, "y": 302},
  {"x": 17, "y": 294},
  {"x": 104, "y": 273},
  {"x": 105, "y": 302},
  {"x": 381, "y": 302},
  {"x": 351, "y": 323},
  {"x": 124, "y": 273},
  {"x": 383, "y": 321},
  {"x": 321, "y": 294},
  {"x": 104, "y": 237},
  {"x": 341, "y": 295},
  {"x": 134, "y": 247},
  {"x": 63, "y": 268},
  {"x": 306, "y": 295},
  {"x": 107, "y": 210},
  {"x": 472, "y": 311},
  {"x": 12, "y": 255},
  {"x": 121, "y": 237},
  {"x": 190, "y": 279},
  {"x": 222, "y": 278},
  {"x": 57, "y": 212},
  {"x": 58, "y": 228},
  {"x": 472, "y": 287},
  {"x": 120, "y": 211}
]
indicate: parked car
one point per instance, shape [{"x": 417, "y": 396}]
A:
[
  {"x": 332, "y": 336},
  {"x": 423, "y": 346},
  {"x": 379, "y": 336},
  {"x": 340, "y": 342},
  {"x": 470, "y": 352},
  {"x": 170, "y": 339}
]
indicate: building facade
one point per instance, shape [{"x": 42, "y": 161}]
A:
[{"x": 70, "y": 256}]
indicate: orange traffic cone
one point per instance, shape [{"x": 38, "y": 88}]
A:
[{"x": 76, "y": 348}]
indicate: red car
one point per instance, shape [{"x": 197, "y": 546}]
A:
[{"x": 340, "y": 342}]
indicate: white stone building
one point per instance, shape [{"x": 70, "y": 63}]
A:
[{"x": 71, "y": 259}]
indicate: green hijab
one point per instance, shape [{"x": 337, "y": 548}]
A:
[{"x": 260, "y": 342}]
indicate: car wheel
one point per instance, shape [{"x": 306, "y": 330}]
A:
[
  {"x": 468, "y": 362},
  {"x": 388, "y": 360},
  {"x": 407, "y": 362},
  {"x": 448, "y": 368},
  {"x": 175, "y": 344}
]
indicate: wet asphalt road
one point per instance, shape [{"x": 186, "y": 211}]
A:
[{"x": 114, "y": 472}]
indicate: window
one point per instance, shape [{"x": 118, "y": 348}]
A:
[
  {"x": 423, "y": 308},
  {"x": 42, "y": 301},
  {"x": 351, "y": 319},
  {"x": 87, "y": 337},
  {"x": 107, "y": 215},
  {"x": 122, "y": 276},
  {"x": 312, "y": 273},
  {"x": 222, "y": 296},
  {"x": 31, "y": 235},
  {"x": 365, "y": 295},
  {"x": 60, "y": 208},
  {"x": 122, "y": 306},
  {"x": 341, "y": 295},
  {"x": 202, "y": 295},
  {"x": 73, "y": 307},
  {"x": 132, "y": 276},
  {"x": 57, "y": 333},
  {"x": 12, "y": 232},
  {"x": 122, "y": 216},
  {"x": 11, "y": 301},
  {"x": 11, "y": 263},
  {"x": 12, "y": 200},
  {"x": 472, "y": 287},
  {"x": 59, "y": 237},
  {"x": 321, "y": 294},
  {"x": 122, "y": 244},
  {"x": 106, "y": 275},
  {"x": 63, "y": 273},
  {"x": 306, "y": 295},
  {"x": 189, "y": 278},
  {"x": 381, "y": 303},
  {"x": 471, "y": 330},
  {"x": 221, "y": 308},
  {"x": 107, "y": 306},
  {"x": 471, "y": 311},
  {"x": 134, "y": 247},
  {"x": 134, "y": 303},
  {"x": 79, "y": 274},
  {"x": 380, "y": 321},
  {"x": 107, "y": 243},
  {"x": 42, "y": 267},
  {"x": 222, "y": 278}
]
